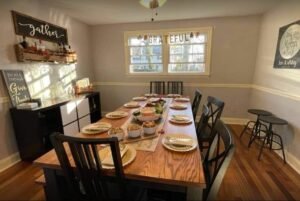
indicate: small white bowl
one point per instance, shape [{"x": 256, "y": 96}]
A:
[
  {"x": 119, "y": 135},
  {"x": 149, "y": 130},
  {"x": 134, "y": 133}
]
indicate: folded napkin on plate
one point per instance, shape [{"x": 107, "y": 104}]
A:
[
  {"x": 108, "y": 160},
  {"x": 97, "y": 127},
  {"x": 180, "y": 141},
  {"x": 180, "y": 118}
]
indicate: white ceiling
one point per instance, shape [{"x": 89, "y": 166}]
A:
[{"x": 96, "y": 12}]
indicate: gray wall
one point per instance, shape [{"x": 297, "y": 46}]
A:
[
  {"x": 277, "y": 90},
  {"x": 234, "y": 46},
  {"x": 79, "y": 38}
]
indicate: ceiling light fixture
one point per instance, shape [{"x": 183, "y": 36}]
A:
[{"x": 153, "y": 5}]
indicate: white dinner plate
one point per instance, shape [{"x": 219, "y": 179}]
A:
[
  {"x": 132, "y": 104},
  {"x": 127, "y": 158},
  {"x": 180, "y": 119},
  {"x": 148, "y": 118},
  {"x": 139, "y": 98},
  {"x": 179, "y": 142},
  {"x": 151, "y": 95},
  {"x": 116, "y": 115},
  {"x": 96, "y": 128},
  {"x": 178, "y": 106},
  {"x": 182, "y": 99},
  {"x": 173, "y": 95}
]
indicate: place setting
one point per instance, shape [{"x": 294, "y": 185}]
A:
[
  {"x": 178, "y": 106},
  {"x": 151, "y": 95},
  {"x": 116, "y": 114},
  {"x": 139, "y": 98},
  {"x": 132, "y": 104},
  {"x": 182, "y": 99},
  {"x": 127, "y": 152},
  {"x": 96, "y": 128},
  {"x": 180, "y": 119},
  {"x": 179, "y": 142},
  {"x": 173, "y": 95}
]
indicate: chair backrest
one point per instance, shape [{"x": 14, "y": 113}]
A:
[
  {"x": 88, "y": 172},
  {"x": 203, "y": 122},
  {"x": 175, "y": 87},
  {"x": 157, "y": 87},
  {"x": 196, "y": 102},
  {"x": 216, "y": 107},
  {"x": 217, "y": 160}
]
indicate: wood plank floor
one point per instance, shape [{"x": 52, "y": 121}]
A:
[{"x": 246, "y": 179}]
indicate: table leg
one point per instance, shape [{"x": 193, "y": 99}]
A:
[{"x": 51, "y": 189}]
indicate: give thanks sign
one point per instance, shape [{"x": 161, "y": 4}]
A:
[
  {"x": 35, "y": 28},
  {"x": 16, "y": 86}
]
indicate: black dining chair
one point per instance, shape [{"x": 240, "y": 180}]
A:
[
  {"x": 196, "y": 102},
  {"x": 175, "y": 87},
  {"x": 88, "y": 180},
  {"x": 157, "y": 87},
  {"x": 205, "y": 135},
  {"x": 203, "y": 123},
  {"x": 217, "y": 160}
]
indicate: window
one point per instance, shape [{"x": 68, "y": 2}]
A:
[
  {"x": 163, "y": 52},
  {"x": 145, "y": 54}
]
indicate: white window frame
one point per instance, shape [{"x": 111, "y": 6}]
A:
[{"x": 165, "y": 50}]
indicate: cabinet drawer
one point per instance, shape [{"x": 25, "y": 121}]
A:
[
  {"x": 84, "y": 121},
  {"x": 83, "y": 107},
  {"x": 68, "y": 112},
  {"x": 71, "y": 129}
]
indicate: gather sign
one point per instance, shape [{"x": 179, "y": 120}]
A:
[{"x": 31, "y": 27}]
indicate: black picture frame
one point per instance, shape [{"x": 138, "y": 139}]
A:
[
  {"x": 287, "y": 54},
  {"x": 28, "y": 26},
  {"x": 16, "y": 86}
]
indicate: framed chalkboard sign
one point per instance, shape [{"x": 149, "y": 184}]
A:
[
  {"x": 288, "y": 47},
  {"x": 16, "y": 86},
  {"x": 31, "y": 27}
]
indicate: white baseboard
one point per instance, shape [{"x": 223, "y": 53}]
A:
[
  {"x": 9, "y": 161},
  {"x": 290, "y": 159},
  {"x": 236, "y": 121},
  {"x": 230, "y": 120}
]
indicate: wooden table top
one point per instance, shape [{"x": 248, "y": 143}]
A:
[{"x": 162, "y": 165}]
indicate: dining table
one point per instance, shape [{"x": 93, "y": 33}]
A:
[{"x": 162, "y": 167}]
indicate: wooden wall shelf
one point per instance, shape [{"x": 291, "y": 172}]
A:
[{"x": 23, "y": 55}]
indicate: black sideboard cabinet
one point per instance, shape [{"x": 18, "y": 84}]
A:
[{"x": 33, "y": 127}]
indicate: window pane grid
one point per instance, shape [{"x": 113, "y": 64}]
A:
[{"x": 169, "y": 51}]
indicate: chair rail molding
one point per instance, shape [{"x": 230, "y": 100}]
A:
[
  {"x": 277, "y": 92},
  {"x": 146, "y": 84},
  {"x": 269, "y": 90}
]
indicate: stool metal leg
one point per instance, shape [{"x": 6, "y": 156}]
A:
[
  {"x": 281, "y": 143},
  {"x": 263, "y": 145},
  {"x": 245, "y": 128}
]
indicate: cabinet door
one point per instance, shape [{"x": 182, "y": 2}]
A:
[
  {"x": 68, "y": 112},
  {"x": 71, "y": 129},
  {"x": 84, "y": 121},
  {"x": 83, "y": 107}
]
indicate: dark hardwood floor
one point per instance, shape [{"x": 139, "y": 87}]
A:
[{"x": 246, "y": 179}]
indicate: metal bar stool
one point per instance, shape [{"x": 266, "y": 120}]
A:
[
  {"x": 269, "y": 139},
  {"x": 256, "y": 130}
]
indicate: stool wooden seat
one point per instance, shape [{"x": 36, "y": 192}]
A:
[{"x": 269, "y": 138}]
